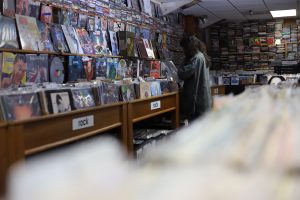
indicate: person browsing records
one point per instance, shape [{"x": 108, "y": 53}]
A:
[{"x": 196, "y": 96}]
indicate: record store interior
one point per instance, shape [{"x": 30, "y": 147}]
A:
[{"x": 149, "y": 99}]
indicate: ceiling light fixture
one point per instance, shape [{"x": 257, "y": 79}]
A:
[{"x": 283, "y": 13}]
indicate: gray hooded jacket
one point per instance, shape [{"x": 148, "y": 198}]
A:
[{"x": 196, "y": 96}]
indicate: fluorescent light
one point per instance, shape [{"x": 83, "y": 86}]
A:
[{"x": 283, "y": 13}]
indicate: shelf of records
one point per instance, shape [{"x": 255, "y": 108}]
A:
[
  {"x": 62, "y": 31},
  {"x": 254, "y": 45},
  {"x": 51, "y": 98}
]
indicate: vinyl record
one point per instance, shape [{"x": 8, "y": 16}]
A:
[{"x": 57, "y": 72}]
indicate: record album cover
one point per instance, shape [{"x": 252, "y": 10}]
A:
[
  {"x": 21, "y": 106},
  {"x": 128, "y": 92},
  {"x": 8, "y": 33},
  {"x": 22, "y": 7},
  {"x": 75, "y": 68},
  {"x": 114, "y": 43},
  {"x": 45, "y": 36},
  {"x": 46, "y": 14},
  {"x": 165, "y": 87},
  {"x": 13, "y": 70},
  {"x": 90, "y": 23},
  {"x": 108, "y": 93},
  {"x": 74, "y": 19},
  {"x": 59, "y": 101},
  {"x": 82, "y": 21},
  {"x": 37, "y": 68},
  {"x": 58, "y": 39},
  {"x": 143, "y": 90},
  {"x": 85, "y": 41},
  {"x": 72, "y": 39},
  {"x": 83, "y": 98},
  {"x": 9, "y": 8},
  {"x": 155, "y": 69},
  {"x": 89, "y": 68},
  {"x": 101, "y": 67},
  {"x": 155, "y": 88},
  {"x": 99, "y": 42},
  {"x": 111, "y": 69},
  {"x": 57, "y": 71},
  {"x": 29, "y": 33},
  {"x": 34, "y": 8}
]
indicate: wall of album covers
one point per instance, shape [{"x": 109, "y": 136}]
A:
[
  {"x": 49, "y": 43},
  {"x": 254, "y": 45},
  {"x": 90, "y": 29}
]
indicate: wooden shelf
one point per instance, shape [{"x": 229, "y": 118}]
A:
[
  {"x": 139, "y": 110},
  {"x": 19, "y": 139},
  {"x": 75, "y": 54}
]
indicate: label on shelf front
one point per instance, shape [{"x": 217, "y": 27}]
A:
[
  {"x": 155, "y": 105},
  {"x": 83, "y": 122}
]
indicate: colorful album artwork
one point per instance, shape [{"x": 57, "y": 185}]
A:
[
  {"x": 37, "y": 68},
  {"x": 83, "y": 98}
]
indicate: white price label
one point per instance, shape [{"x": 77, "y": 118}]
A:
[
  {"x": 83, "y": 122},
  {"x": 155, "y": 105}
]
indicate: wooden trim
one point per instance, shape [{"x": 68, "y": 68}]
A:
[
  {"x": 153, "y": 115},
  {"x": 153, "y": 97},
  {"x": 71, "y": 113},
  {"x": 24, "y": 51},
  {"x": 69, "y": 140},
  {"x": 3, "y": 157}
]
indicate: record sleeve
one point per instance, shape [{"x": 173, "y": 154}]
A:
[
  {"x": 9, "y": 8},
  {"x": 155, "y": 69},
  {"x": 72, "y": 39},
  {"x": 101, "y": 67},
  {"x": 114, "y": 43},
  {"x": 57, "y": 72},
  {"x": 46, "y": 14},
  {"x": 99, "y": 42},
  {"x": 34, "y": 8},
  {"x": 155, "y": 88},
  {"x": 82, "y": 21},
  {"x": 111, "y": 69},
  {"x": 58, "y": 39},
  {"x": 143, "y": 90},
  {"x": 13, "y": 70},
  {"x": 89, "y": 68},
  {"x": 74, "y": 19},
  {"x": 65, "y": 18},
  {"x": 127, "y": 92},
  {"x": 90, "y": 23},
  {"x": 83, "y": 98},
  {"x": 45, "y": 36},
  {"x": 85, "y": 41},
  {"x": 22, "y": 7},
  {"x": 29, "y": 33},
  {"x": 59, "y": 101},
  {"x": 104, "y": 24},
  {"x": 21, "y": 106},
  {"x": 8, "y": 33},
  {"x": 108, "y": 93},
  {"x": 7, "y": 69},
  {"x": 37, "y": 68},
  {"x": 75, "y": 68},
  {"x": 144, "y": 68},
  {"x": 165, "y": 87}
]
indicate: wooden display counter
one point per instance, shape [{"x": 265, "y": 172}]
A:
[
  {"x": 142, "y": 109},
  {"x": 22, "y": 138},
  {"x": 3, "y": 157}
]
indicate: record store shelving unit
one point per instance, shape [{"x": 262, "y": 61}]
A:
[{"x": 23, "y": 138}]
